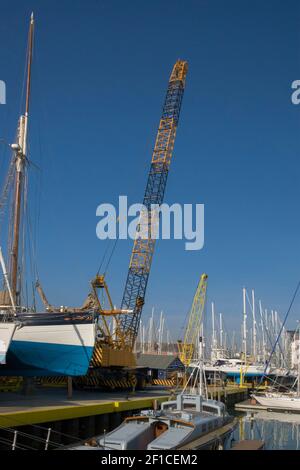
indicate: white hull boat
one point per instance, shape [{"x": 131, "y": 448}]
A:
[
  {"x": 47, "y": 344},
  {"x": 6, "y": 333},
  {"x": 279, "y": 401},
  {"x": 190, "y": 421}
]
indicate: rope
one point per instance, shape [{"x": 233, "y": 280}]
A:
[
  {"x": 279, "y": 334},
  {"x": 106, "y": 251},
  {"x": 104, "y": 256},
  {"x": 111, "y": 255}
]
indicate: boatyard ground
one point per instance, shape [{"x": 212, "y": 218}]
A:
[{"x": 86, "y": 414}]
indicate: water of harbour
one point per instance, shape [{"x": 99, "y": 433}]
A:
[{"x": 279, "y": 431}]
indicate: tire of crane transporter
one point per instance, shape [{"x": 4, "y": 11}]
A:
[
  {"x": 10, "y": 384},
  {"x": 133, "y": 381},
  {"x": 83, "y": 382},
  {"x": 54, "y": 381},
  {"x": 124, "y": 383},
  {"x": 141, "y": 383},
  {"x": 111, "y": 384}
]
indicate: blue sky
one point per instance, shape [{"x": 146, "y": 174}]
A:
[{"x": 99, "y": 79}]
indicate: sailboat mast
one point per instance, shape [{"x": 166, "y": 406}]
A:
[
  {"x": 214, "y": 338},
  {"x": 244, "y": 324},
  {"x": 221, "y": 334},
  {"x": 20, "y": 150},
  {"x": 298, "y": 356},
  {"x": 29, "y": 64},
  {"x": 254, "y": 326}
]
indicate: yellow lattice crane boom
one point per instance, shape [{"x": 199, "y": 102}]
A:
[
  {"x": 117, "y": 349},
  {"x": 143, "y": 247},
  {"x": 187, "y": 346}
]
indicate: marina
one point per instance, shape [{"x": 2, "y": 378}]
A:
[
  {"x": 42, "y": 406},
  {"x": 278, "y": 431},
  {"x": 88, "y": 414},
  {"x": 82, "y": 416}
]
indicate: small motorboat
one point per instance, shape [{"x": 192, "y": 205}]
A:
[{"x": 189, "y": 421}]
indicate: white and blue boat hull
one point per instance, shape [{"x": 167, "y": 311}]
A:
[{"x": 55, "y": 348}]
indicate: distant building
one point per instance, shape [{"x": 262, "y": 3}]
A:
[
  {"x": 160, "y": 366},
  {"x": 295, "y": 351},
  {"x": 293, "y": 348}
]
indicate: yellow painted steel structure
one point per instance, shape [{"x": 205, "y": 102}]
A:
[
  {"x": 187, "y": 346},
  {"x": 106, "y": 355},
  {"x": 144, "y": 243},
  {"x": 95, "y": 381},
  {"x": 142, "y": 251},
  {"x": 117, "y": 350},
  {"x": 164, "y": 382},
  {"x": 14, "y": 416}
]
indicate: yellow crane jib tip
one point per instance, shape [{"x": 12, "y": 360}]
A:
[{"x": 179, "y": 71}]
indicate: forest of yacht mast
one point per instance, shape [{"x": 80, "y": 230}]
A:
[{"x": 251, "y": 347}]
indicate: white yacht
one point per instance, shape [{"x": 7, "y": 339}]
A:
[
  {"x": 235, "y": 367},
  {"x": 280, "y": 401}
]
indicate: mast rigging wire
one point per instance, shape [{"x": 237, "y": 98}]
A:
[{"x": 279, "y": 334}]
